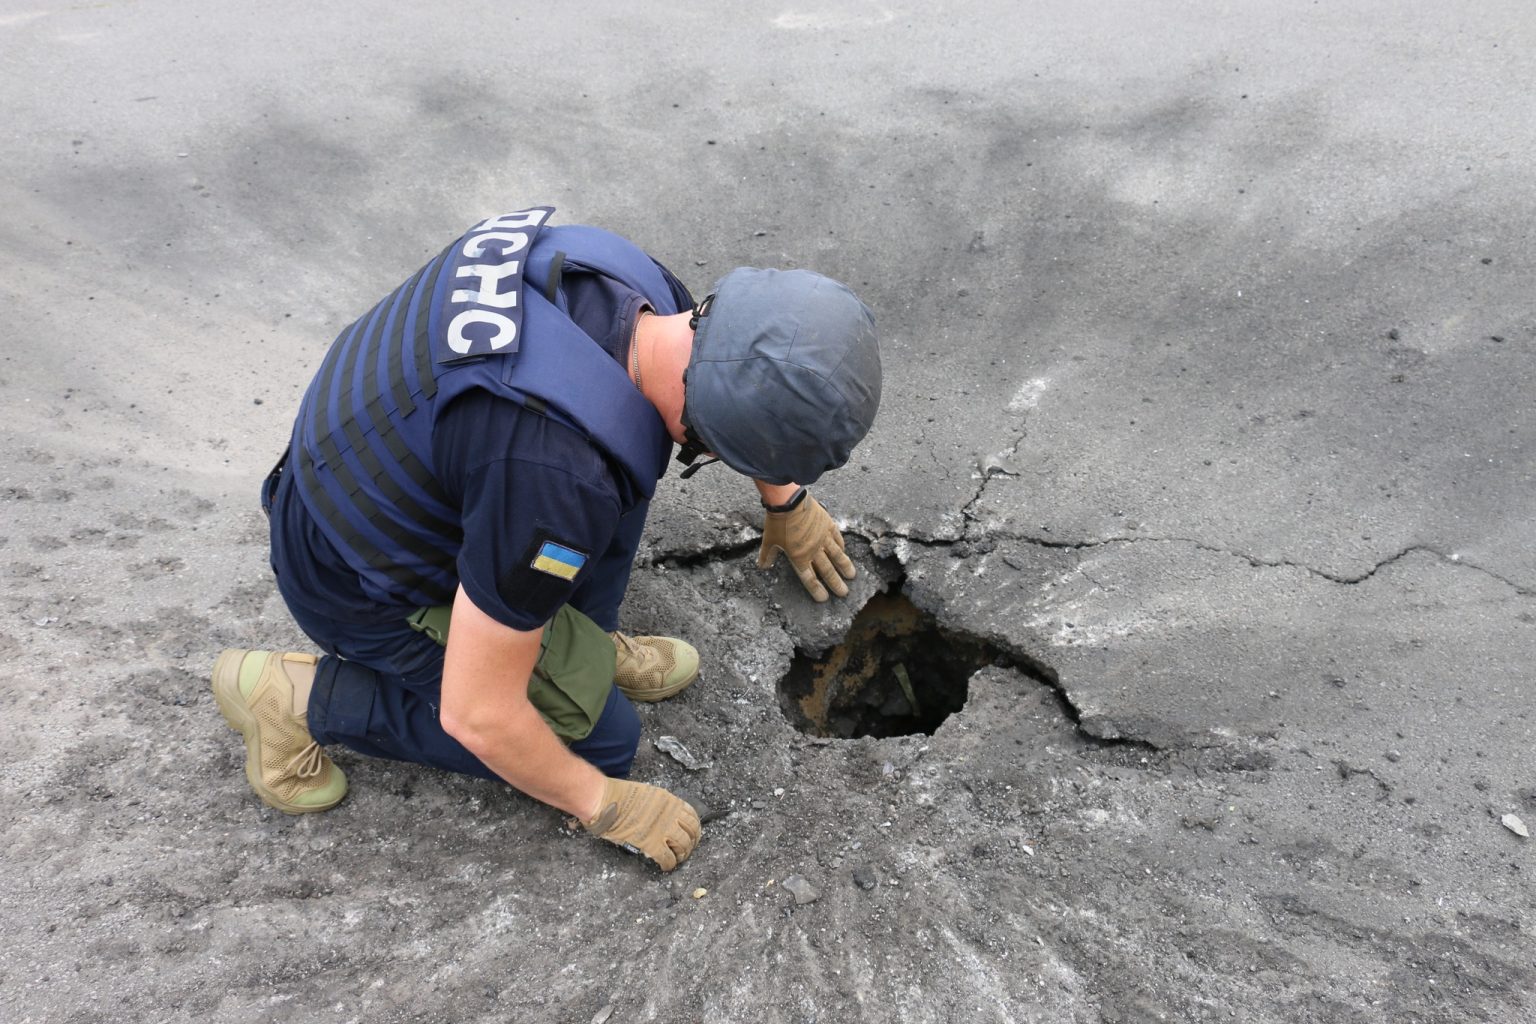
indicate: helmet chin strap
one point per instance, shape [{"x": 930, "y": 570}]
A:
[
  {"x": 700, "y": 310},
  {"x": 694, "y": 467},
  {"x": 693, "y": 448}
]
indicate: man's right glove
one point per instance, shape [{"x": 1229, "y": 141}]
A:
[{"x": 646, "y": 819}]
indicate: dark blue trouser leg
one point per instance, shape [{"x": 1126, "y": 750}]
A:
[
  {"x": 378, "y": 692},
  {"x": 612, "y": 743},
  {"x": 379, "y": 715}
]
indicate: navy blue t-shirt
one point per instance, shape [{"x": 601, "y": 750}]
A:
[{"x": 520, "y": 479}]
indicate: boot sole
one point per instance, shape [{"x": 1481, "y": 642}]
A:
[
  {"x": 652, "y": 696},
  {"x": 226, "y": 694}
]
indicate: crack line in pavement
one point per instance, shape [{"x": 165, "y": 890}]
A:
[
  {"x": 1253, "y": 560},
  {"x": 1347, "y": 771},
  {"x": 688, "y": 559},
  {"x": 704, "y": 555},
  {"x": 991, "y": 466}
]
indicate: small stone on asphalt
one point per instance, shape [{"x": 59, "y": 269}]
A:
[
  {"x": 865, "y": 879},
  {"x": 801, "y": 890},
  {"x": 700, "y": 893},
  {"x": 1515, "y": 825}
]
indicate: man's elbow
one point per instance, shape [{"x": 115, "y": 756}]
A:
[
  {"x": 476, "y": 730},
  {"x": 460, "y": 726}
]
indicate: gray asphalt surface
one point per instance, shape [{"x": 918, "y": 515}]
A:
[{"x": 1209, "y": 343}]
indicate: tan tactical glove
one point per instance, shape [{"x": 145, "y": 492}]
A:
[
  {"x": 646, "y": 819},
  {"x": 814, "y": 545}
]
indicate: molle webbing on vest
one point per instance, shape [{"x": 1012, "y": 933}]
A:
[
  {"x": 372, "y": 417},
  {"x": 329, "y": 513},
  {"x": 352, "y": 415}
]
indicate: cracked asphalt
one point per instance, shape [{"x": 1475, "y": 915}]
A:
[{"x": 1209, "y": 348}]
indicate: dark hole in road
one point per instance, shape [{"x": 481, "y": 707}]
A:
[{"x": 898, "y": 672}]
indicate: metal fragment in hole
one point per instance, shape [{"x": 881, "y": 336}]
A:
[
  {"x": 906, "y": 687},
  {"x": 673, "y": 748}
]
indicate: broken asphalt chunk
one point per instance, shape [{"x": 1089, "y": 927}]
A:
[
  {"x": 674, "y": 748},
  {"x": 803, "y": 892}
]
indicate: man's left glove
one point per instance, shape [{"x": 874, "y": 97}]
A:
[{"x": 813, "y": 543}]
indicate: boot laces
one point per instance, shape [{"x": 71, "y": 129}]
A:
[
  {"x": 307, "y": 763},
  {"x": 635, "y": 648}
]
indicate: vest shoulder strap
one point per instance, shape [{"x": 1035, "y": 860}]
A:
[
  {"x": 562, "y": 372},
  {"x": 609, "y": 254},
  {"x": 571, "y": 375}
]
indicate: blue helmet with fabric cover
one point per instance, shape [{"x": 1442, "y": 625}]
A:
[{"x": 784, "y": 377}]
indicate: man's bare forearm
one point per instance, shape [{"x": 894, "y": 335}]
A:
[
  {"x": 486, "y": 708},
  {"x": 528, "y": 754}
]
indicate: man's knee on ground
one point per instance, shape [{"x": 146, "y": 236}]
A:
[{"x": 612, "y": 744}]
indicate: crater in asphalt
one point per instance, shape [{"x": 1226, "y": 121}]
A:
[{"x": 897, "y": 673}]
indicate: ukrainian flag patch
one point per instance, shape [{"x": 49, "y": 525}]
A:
[{"x": 558, "y": 560}]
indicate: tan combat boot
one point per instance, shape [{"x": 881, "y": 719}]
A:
[
  {"x": 263, "y": 696},
  {"x": 652, "y": 668}
]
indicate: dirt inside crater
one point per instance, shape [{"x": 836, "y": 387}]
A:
[{"x": 897, "y": 673}]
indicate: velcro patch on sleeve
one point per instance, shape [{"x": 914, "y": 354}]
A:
[
  {"x": 558, "y": 560},
  {"x": 543, "y": 576}
]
